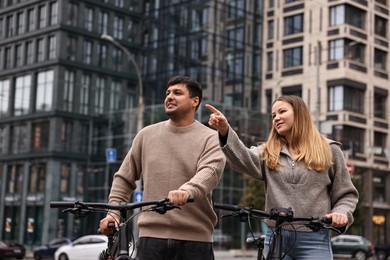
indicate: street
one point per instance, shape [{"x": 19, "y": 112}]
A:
[{"x": 235, "y": 255}]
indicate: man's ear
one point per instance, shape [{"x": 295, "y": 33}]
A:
[{"x": 195, "y": 101}]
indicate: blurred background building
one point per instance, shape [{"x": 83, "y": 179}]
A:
[{"x": 69, "y": 98}]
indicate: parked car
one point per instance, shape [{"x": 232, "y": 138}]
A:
[
  {"x": 382, "y": 252},
  {"x": 47, "y": 251},
  {"x": 222, "y": 240},
  {"x": 357, "y": 247},
  {"x": 83, "y": 248},
  {"x": 11, "y": 249}
]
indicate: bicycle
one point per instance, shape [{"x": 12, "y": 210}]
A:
[
  {"x": 118, "y": 243},
  {"x": 281, "y": 216}
]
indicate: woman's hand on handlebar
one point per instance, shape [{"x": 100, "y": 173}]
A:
[
  {"x": 338, "y": 219},
  {"x": 104, "y": 228},
  {"x": 178, "y": 197}
]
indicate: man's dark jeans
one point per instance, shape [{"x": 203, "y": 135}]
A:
[{"x": 149, "y": 248}]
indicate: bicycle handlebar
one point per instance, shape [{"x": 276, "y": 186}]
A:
[
  {"x": 279, "y": 214},
  {"x": 81, "y": 208}
]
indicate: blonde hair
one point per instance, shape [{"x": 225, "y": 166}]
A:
[{"x": 310, "y": 145}]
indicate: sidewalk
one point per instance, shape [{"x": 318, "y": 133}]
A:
[{"x": 235, "y": 254}]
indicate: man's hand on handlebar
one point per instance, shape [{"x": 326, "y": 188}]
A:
[
  {"x": 178, "y": 197},
  {"x": 104, "y": 228}
]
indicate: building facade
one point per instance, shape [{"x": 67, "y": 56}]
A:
[
  {"x": 335, "y": 55},
  {"x": 62, "y": 88},
  {"x": 68, "y": 97}
]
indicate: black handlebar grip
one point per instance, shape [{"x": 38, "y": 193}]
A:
[
  {"x": 62, "y": 204},
  {"x": 190, "y": 199},
  {"x": 326, "y": 220},
  {"x": 227, "y": 207}
]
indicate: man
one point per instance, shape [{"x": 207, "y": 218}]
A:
[{"x": 176, "y": 158}]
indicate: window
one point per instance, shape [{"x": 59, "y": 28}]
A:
[
  {"x": 356, "y": 51},
  {"x": 103, "y": 22},
  {"x": 30, "y": 20},
  {"x": 99, "y": 95},
  {"x": 7, "y": 58},
  {"x": 118, "y": 27},
  {"x": 9, "y": 29},
  {"x": 271, "y": 3},
  {"x": 345, "y": 98},
  {"x": 52, "y": 48},
  {"x": 40, "y": 136},
  {"x": 71, "y": 48},
  {"x": 29, "y": 56},
  {"x": 380, "y": 26},
  {"x": 292, "y": 57},
  {"x": 195, "y": 49},
  {"x": 41, "y": 16},
  {"x": 293, "y": 24},
  {"x": 22, "y": 95},
  {"x": 88, "y": 19},
  {"x": 234, "y": 66},
  {"x": 235, "y": 38},
  {"x": 116, "y": 92},
  {"x": 20, "y": 23},
  {"x": 73, "y": 14},
  {"x": 87, "y": 52},
  {"x": 340, "y": 14},
  {"x": 117, "y": 56},
  {"x": 1, "y": 28},
  {"x": 40, "y": 50},
  {"x": 15, "y": 179},
  {"x": 65, "y": 178},
  {"x": 4, "y": 97},
  {"x": 119, "y": 3},
  {"x": 18, "y": 55},
  {"x": 270, "y": 62},
  {"x": 19, "y": 142},
  {"x": 68, "y": 90},
  {"x": 236, "y": 8},
  {"x": 53, "y": 13},
  {"x": 102, "y": 55},
  {"x": 380, "y": 99},
  {"x": 84, "y": 93},
  {"x": 379, "y": 144},
  {"x": 271, "y": 25},
  {"x": 380, "y": 59},
  {"x": 37, "y": 178},
  {"x": 66, "y": 131},
  {"x": 80, "y": 180},
  {"x": 45, "y": 85},
  {"x": 3, "y": 140}
]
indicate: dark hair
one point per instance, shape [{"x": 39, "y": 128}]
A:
[{"x": 193, "y": 86}]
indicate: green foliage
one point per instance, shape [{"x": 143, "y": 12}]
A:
[{"x": 253, "y": 194}]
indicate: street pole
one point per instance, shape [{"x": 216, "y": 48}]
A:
[{"x": 140, "y": 112}]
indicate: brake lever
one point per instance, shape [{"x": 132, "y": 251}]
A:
[
  {"x": 162, "y": 209},
  {"x": 78, "y": 212}
]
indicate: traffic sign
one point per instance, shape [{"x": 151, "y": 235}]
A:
[
  {"x": 111, "y": 155},
  {"x": 138, "y": 196}
]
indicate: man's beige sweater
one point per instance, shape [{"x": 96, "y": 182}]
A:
[{"x": 170, "y": 158}]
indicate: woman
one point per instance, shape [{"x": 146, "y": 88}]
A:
[{"x": 301, "y": 169}]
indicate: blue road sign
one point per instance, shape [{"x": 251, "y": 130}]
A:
[
  {"x": 111, "y": 155},
  {"x": 138, "y": 196}
]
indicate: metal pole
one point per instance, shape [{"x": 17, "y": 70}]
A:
[
  {"x": 318, "y": 52},
  {"x": 140, "y": 112}
]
